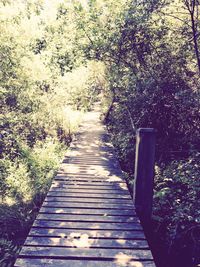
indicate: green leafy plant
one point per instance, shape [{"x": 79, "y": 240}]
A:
[{"x": 176, "y": 209}]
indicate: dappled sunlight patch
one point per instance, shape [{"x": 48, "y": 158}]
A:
[
  {"x": 55, "y": 184},
  {"x": 113, "y": 178},
  {"x": 69, "y": 168},
  {"x": 82, "y": 242},
  {"x": 88, "y": 150},
  {"x": 62, "y": 224},
  {"x": 9, "y": 201},
  {"x": 55, "y": 241},
  {"x": 51, "y": 231},
  {"x": 136, "y": 264},
  {"x": 63, "y": 235},
  {"x": 122, "y": 259},
  {"x": 123, "y": 186},
  {"x": 73, "y": 153},
  {"x": 98, "y": 171},
  {"x": 121, "y": 241},
  {"x": 59, "y": 210}
]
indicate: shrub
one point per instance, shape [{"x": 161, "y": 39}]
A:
[{"x": 176, "y": 210}]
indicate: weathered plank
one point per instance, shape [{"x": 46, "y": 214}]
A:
[
  {"x": 110, "y": 191},
  {"x": 94, "y": 253},
  {"x": 93, "y": 233},
  {"x": 85, "y": 241},
  {"x": 88, "y": 178},
  {"x": 118, "y": 262},
  {"x": 109, "y": 167},
  {"x": 86, "y": 174},
  {"x": 85, "y": 195},
  {"x": 86, "y": 218},
  {"x": 90, "y": 173},
  {"x": 77, "y": 180},
  {"x": 62, "y": 204},
  {"x": 90, "y": 185},
  {"x": 91, "y": 200},
  {"x": 87, "y": 211},
  {"x": 86, "y": 225},
  {"x": 88, "y": 189}
]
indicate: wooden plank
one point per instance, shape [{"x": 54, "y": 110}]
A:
[
  {"x": 89, "y": 191},
  {"x": 83, "y": 174},
  {"x": 61, "y": 204},
  {"x": 92, "y": 176},
  {"x": 77, "y": 180},
  {"x": 95, "y": 233},
  {"x": 90, "y": 185},
  {"x": 90, "y": 163},
  {"x": 85, "y": 241},
  {"x": 91, "y": 200},
  {"x": 87, "y": 218},
  {"x": 94, "y": 188},
  {"x": 92, "y": 170},
  {"x": 99, "y": 182},
  {"x": 118, "y": 262},
  {"x": 87, "y": 211},
  {"x": 82, "y": 158},
  {"x": 87, "y": 225},
  {"x": 98, "y": 158},
  {"x": 74, "y": 169},
  {"x": 85, "y": 195},
  {"x": 99, "y": 253}
]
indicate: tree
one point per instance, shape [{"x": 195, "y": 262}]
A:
[{"x": 193, "y": 9}]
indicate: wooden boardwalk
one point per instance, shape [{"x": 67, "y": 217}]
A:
[{"x": 87, "y": 218}]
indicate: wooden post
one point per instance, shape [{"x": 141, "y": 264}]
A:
[{"x": 144, "y": 172}]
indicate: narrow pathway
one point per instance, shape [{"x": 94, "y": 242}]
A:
[{"x": 88, "y": 217}]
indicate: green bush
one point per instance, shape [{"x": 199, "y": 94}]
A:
[
  {"x": 23, "y": 186},
  {"x": 31, "y": 173},
  {"x": 176, "y": 210},
  {"x": 8, "y": 252}
]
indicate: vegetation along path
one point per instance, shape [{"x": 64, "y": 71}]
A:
[{"x": 88, "y": 217}]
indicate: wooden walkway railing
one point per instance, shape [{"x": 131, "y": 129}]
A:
[{"x": 88, "y": 217}]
